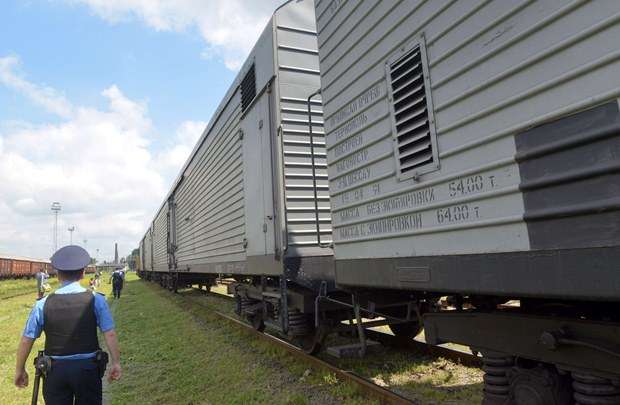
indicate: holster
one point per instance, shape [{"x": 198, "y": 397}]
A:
[
  {"x": 101, "y": 358},
  {"x": 42, "y": 364}
]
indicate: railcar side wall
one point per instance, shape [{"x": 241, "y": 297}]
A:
[
  {"x": 160, "y": 240},
  {"x": 5, "y": 268},
  {"x": 298, "y": 76},
  {"x": 437, "y": 179},
  {"x": 244, "y": 201}
]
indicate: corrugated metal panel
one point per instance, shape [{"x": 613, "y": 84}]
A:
[
  {"x": 495, "y": 68},
  {"x": 5, "y": 267},
  {"x": 298, "y": 78},
  {"x": 160, "y": 240},
  {"x": 148, "y": 251},
  {"x": 224, "y": 209},
  {"x": 210, "y": 200}
]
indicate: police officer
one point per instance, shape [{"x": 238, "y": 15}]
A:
[
  {"x": 117, "y": 278},
  {"x": 69, "y": 317}
]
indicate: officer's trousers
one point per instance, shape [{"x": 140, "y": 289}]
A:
[
  {"x": 73, "y": 380},
  {"x": 116, "y": 289}
]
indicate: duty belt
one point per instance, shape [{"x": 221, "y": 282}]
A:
[{"x": 43, "y": 365}]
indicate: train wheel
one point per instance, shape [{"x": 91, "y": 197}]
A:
[
  {"x": 257, "y": 322},
  {"x": 539, "y": 385},
  {"x": 407, "y": 330}
]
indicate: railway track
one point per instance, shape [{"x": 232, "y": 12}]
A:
[{"x": 382, "y": 394}]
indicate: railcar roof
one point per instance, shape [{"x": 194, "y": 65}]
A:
[{"x": 25, "y": 259}]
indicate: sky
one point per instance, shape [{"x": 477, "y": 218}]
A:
[{"x": 101, "y": 102}]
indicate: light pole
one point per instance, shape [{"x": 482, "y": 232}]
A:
[
  {"x": 71, "y": 229},
  {"x": 55, "y": 209}
]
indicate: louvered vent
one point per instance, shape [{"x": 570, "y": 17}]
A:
[
  {"x": 248, "y": 89},
  {"x": 414, "y": 134}
]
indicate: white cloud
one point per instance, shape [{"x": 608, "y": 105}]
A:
[
  {"x": 96, "y": 162},
  {"x": 42, "y": 95},
  {"x": 185, "y": 139},
  {"x": 229, "y": 27}
]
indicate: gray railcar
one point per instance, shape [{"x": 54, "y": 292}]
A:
[
  {"x": 473, "y": 150},
  {"x": 244, "y": 205}
]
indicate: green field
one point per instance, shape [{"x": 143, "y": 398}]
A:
[
  {"x": 12, "y": 288},
  {"x": 175, "y": 351},
  {"x": 13, "y": 314}
]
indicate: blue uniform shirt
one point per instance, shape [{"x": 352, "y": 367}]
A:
[{"x": 34, "y": 324}]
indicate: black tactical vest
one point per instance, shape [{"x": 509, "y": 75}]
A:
[{"x": 70, "y": 324}]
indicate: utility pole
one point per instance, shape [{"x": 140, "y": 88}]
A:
[
  {"x": 55, "y": 209},
  {"x": 71, "y": 229}
]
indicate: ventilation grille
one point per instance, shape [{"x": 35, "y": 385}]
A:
[
  {"x": 248, "y": 89},
  {"x": 410, "y": 113}
]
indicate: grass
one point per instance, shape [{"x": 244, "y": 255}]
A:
[
  {"x": 424, "y": 379},
  {"x": 175, "y": 351},
  {"x": 13, "y": 314},
  {"x": 11, "y": 288}
]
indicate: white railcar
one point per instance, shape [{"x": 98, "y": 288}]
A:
[
  {"x": 473, "y": 150},
  {"x": 244, "y": 202}
]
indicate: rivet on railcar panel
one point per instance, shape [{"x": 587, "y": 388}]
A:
[{"x": 260, "y": 124}]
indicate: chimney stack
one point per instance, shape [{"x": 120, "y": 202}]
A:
[{"x": 115, "y": 253}]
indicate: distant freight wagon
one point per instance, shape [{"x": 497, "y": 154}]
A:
[{"x": 21, "y": 267}]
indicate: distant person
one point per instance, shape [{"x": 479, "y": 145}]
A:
[
  {"x": 70, "y": 317},
  {"x": 117, "y": 278},
  {"x": 41, "y": 278}
]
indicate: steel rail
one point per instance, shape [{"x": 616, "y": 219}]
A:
[
  {"x": 457, "y": 356},
  {"x": 382, "y": 394}
]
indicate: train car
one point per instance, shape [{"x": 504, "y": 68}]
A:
[
  {"x": 19, "y": 267},
  {"x": 252, "y": 201},
  {"x": 473, "y": 152},
  {"x": 22, "y": 268},
  {"x": 244, "y": 203},
  {"x": 5, "y": 268}
]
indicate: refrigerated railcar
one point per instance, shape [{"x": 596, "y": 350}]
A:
[
  {"x": 473, "y": 152},
  {"x": 252, "y": 202}
]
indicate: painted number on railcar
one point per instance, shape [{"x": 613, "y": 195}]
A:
[
  {"x": 457, "y": 213},
  {"x": 470, "y": 185}
]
